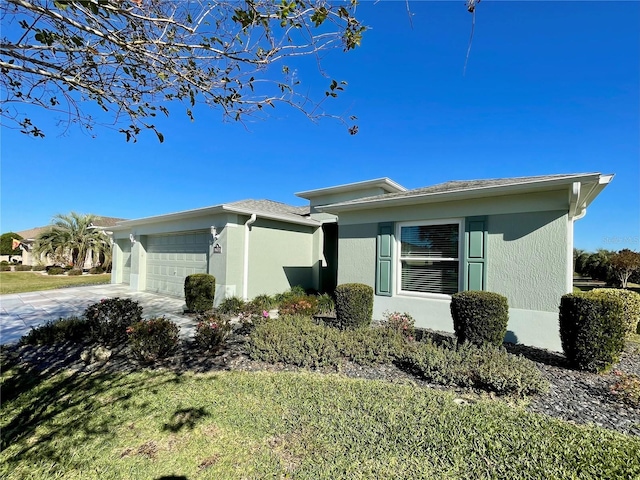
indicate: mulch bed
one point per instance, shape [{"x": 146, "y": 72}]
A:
[{"x": 578, "y": 397}]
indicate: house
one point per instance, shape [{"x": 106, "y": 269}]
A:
[
  {"x": 512, "y": 236},
  {"x": 29, "y": 238}
]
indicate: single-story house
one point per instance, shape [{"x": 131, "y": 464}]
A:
[
  {"x": 513, "y": 236},
  {"x": 29, "y": 237}
]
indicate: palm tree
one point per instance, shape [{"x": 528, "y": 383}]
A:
[{"x": 71, "y": 237}]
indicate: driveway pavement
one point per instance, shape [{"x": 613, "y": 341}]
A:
[{"x": 21, "y": 311}]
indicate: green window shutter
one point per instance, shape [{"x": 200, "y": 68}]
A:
[
  {"x": 475, "y": 254},
  {"x": 384, "y": 261}
]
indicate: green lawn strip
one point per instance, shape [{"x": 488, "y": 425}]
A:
[
  {"x": 294, "y": 425},
  {"x": 20, "y": 282}
]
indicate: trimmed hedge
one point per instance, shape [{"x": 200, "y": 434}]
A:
[
  {"x": 630, "y": 305},
  {"x": 592, "y": 330},
  {"x": 55, "y": 271},
  {"x": 74, "y": 272},
  {"x": 22, "y": 268},
  {"x": 354, "y": 305},
  {"x": 199, "y": 292},
  {"x": 480, "y": 317},
  {"x": 72, "y": 329},
  {"x": 110, "y": 317}
]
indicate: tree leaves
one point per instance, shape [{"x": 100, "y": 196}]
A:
[{"x": 125, "y": 58}]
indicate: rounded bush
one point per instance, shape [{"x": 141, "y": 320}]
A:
[
  {"x": 199, "y": 292},
  {"x": 211, "y": 331},
  {"x": 480, "y": 317},
  {"x": 96, "y": 270},
  {"x": 592, "y": 330},
  {"x": 110, "y": 317},
  {"x": 630, "y": 305},
  {"x": 22, "y": 268},
  {"x": 5, "y": 268},
  {"x": 38, "y": 268},
  {"x": 354, "y": 305},
  {"x": 153, "y": 339},
  {"x": 55, "y": 271},
  {"x": 74, "y": 272}
]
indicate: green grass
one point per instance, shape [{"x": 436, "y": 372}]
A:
[
  {"x": 20, "y": 282},
  {"x": 235, "y": 425}
]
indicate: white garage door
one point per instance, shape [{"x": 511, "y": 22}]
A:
[
  {"x": 125, "y": 247},
  {"x": 171, "y": 258}
]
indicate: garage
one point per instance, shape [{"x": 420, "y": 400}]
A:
[{"x": 171, "y": 258}]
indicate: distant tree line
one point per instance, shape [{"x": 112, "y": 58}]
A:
[{"x": 614, "y": 268}]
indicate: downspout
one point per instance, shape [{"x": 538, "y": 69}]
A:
[
  {"x": 245, "y": 275},
  {"x": 575, "y": 213}
]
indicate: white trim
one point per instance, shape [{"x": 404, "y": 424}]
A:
[
  {"x": 245, "y": 266},
  {"x": 385, "y": 183},
  {"x": 398, "y": 263}
]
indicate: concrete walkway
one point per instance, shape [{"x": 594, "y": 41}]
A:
[{"x": 19, "y": 312}]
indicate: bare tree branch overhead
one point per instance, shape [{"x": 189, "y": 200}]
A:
[{"x": 136, "y": 59}]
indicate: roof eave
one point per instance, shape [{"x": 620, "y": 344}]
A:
[
  {"x": 464, "y": 194},
  {"x": 385, "y": 183}
]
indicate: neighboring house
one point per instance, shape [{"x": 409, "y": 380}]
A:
[
  {"x": 29, "y": 237},
  {"x": 414, "y": 247}
]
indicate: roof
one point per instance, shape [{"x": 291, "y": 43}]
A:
[
  {"x": 99, "y": 221},
  {"x": 262, "y": 208},
  {"x": 465, "y": 189},
  {"x": 384, "y": 183}
]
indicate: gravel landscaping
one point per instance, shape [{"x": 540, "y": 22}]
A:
[{"x": 574, "y": 396}]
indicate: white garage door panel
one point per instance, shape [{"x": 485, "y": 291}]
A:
[{"x": 171, "y": 258}]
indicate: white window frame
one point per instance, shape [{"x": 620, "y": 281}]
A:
[{"x": 398, "y": 262}]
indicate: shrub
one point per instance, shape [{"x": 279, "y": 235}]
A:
[
  {"x": 480, "y": 317},
  {"x": 592, "y": 330},
  {"x": 110, "y": 318},
  {"x": 370, "y": 346},
  {"x": 96, "y": 270},
  {"x": 293, "y": 292},
  {"x": 469, "y": 365},
  {"x": 153, "y": 339},
  {"x": 55, "y": 271},
  {"x": 72, "y": 329},
  {"x": 5, "y": 268},
  {"x": 211, "y": 331},
  {"x": 3, "y": 263},
  {"x": 260, "y": 303},
  {"x": 199, "y": 292},
  {"x": 38, "y": 268},
  {"x": 294, "y": 340},
  {"x": 354, "y": 305},
  {"x": 305, "y": 305},
  {"x": 22, "y": 268},
  {"x": 231, "y": 305},
  {"x": 627, "y": 387},
  {"x": 325, "y": 304},
  {"x": 402, "y": 323},
  {"x": 74, "y": 271},
  {"x": 630, "y": 304}
]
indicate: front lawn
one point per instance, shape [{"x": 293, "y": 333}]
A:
[
  {"x": 20, "y": 282},
  {"x": 229, "y": 425}
]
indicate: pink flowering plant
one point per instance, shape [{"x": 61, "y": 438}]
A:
[
  {"x": 626, "y": 387},
  {"x": 305, "y": 305},
  {"x": 212, "y": 330},
  {"x": 153, "y": 339},
  {"x": 402, "y": 323}
]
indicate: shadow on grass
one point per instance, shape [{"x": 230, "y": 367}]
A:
[
  {"x": 71, "y": 408},
  {"x": 185, "y": 418}
]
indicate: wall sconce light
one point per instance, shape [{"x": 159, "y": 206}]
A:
[
  {"x": 132, "y": 238},
  {"x": 214, "y": 233}
]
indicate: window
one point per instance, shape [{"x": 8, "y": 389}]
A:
[{"x": 429, "y": 257}]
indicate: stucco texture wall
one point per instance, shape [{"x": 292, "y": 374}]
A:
[
  {"x": 280, "y": 257},
  {"x": 357, "y": 253},
  {"x": 527, "y": 258}
]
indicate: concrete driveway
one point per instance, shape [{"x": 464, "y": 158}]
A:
[{"x": 21, "y": 311}]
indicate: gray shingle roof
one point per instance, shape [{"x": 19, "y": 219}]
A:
[
  {"x": 463, "y": 185},
  {"x": 269, "y": 206}
]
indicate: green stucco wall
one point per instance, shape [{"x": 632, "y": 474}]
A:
[
  {"x": 528, "y": 258},
  {"x": 280, "y": 256}
]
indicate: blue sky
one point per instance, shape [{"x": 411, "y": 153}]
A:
[{"x": 550, "y": 87}]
